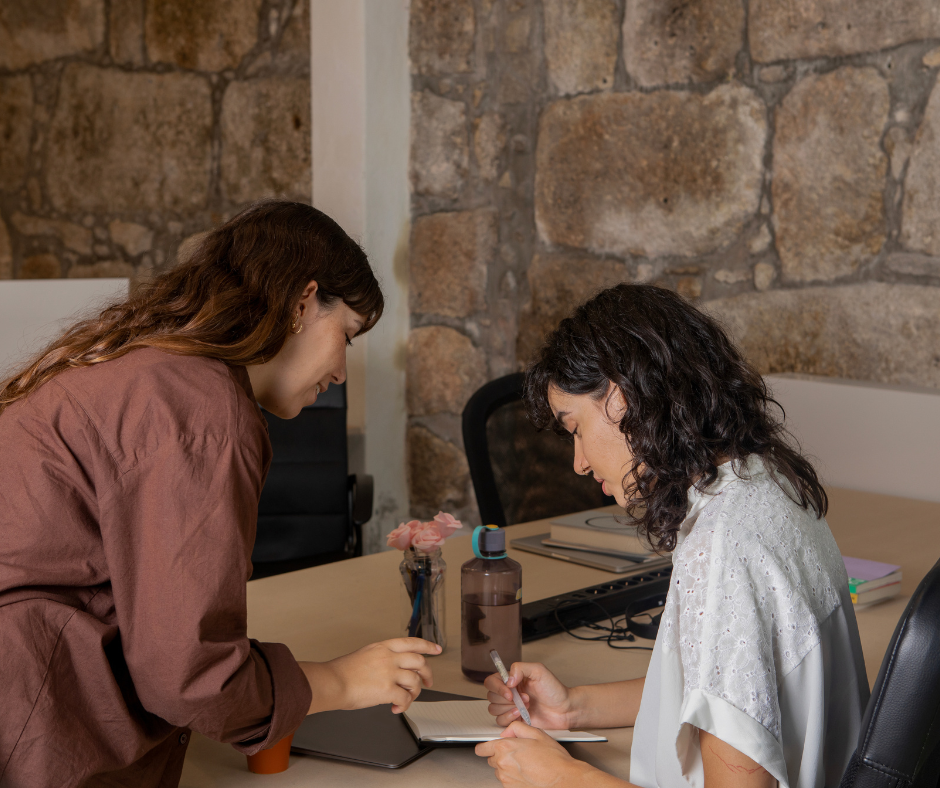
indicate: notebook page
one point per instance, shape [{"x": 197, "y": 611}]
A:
[
  {"x": 452, "y": 718},
  {"x": 467, "y": 720}
]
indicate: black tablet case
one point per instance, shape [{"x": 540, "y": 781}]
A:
[{"x": 375, "y": 736}]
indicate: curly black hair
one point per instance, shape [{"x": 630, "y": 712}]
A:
[{"x": 693, "y": 402}]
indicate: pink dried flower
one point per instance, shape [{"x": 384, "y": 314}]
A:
[
  {"x": 447, "y": 523},
  {"x": 428, "y": 538},
  {"x": 424, "y": 536},
  {"x": 401, "y": 537}
]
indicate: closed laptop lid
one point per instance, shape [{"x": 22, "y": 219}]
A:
[{"x": 370, "y": 736}]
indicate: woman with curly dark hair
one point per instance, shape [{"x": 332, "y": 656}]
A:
[
  {"x": 757, "y": 674},
  {"x": 132, "y": 456}
]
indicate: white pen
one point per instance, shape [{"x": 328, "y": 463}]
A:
[{"x": 517, "y": 698}]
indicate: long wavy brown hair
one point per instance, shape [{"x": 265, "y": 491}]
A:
[
  {"x": 232, "y": 298},
  {"x": 693, "y": 401}
]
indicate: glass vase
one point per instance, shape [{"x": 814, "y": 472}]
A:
[{"x": 422, "y": 595}]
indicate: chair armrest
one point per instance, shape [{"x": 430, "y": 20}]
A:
[{"x": 362, "y": 487}]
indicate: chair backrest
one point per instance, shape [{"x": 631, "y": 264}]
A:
[
  {"x": 518, "y": 473},
  {"x": 899, "y": 744},
  {"x": 304, "y": 507}
]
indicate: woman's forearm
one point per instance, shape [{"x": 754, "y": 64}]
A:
[
  {"x": 327, "y": 693},
  {"x": 613, "y": 705}
]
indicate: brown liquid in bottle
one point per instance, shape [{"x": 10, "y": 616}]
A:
[{"x": 490, "y": 615}]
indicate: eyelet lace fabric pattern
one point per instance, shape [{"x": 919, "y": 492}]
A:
[{"x": 753, "y": 577}]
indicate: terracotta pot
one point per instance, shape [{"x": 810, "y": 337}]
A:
[{"x": 272, "y": 760}]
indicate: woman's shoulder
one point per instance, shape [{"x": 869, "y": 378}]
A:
[
  {"x": 149, "y": 373},
  {"x": 753, "y": 580},
  {"x": 154, "y": 392},
  {"x": 758, "y": 511},
  {"x": 754, "y": 538}
]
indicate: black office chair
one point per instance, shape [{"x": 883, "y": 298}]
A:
[
  {"x": 899, "y": 744},
  {"x": 518, "y": 473},
  {"x": 312, "y": 509}
]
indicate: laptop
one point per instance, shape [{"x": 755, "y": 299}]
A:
[{"x": 374, "y": 737}]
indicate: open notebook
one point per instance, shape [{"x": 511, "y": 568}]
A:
[{"x": 467, "y": 721}]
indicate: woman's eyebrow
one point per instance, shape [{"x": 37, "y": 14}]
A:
[{"x": 561, "y": 416}]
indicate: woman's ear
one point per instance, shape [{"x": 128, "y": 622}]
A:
[
  {"x": 308, "y": 299},
  {"x": 615, "y": 404}
]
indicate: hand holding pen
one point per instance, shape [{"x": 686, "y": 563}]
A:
[
  {"x": 548, "y": 702},
  {"x": 504, "y": 675}
]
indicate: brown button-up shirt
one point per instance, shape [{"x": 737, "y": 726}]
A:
[{"x": 128, "y": 505}]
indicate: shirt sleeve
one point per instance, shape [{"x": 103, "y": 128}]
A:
[
  {"x": 729, "y": 674},
  {"x": 178, "y": 530}
]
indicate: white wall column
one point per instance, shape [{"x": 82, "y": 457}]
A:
[
  {"x": 338, "y": 139},
  {"x": 360, "y": 85}
]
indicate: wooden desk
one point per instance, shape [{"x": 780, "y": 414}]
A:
[{"x": 326, "y": 611}]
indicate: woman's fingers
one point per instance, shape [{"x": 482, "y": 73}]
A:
[
  {"x": 426, "y": 678},
  {"x": 499, "y": 707},
  {"x": 409, "y": 660},
  {"x": 519, "y": 730},
  {"x": 495, "y": 685},
  {"x": 508, "y": 717},
  {"x": 407, "y": 690},
  {"x": 497, "y": 698},
  {"x": 416, "y": 645},
  {"x": 520, "y": 671},
  {"x": 410, "y": 681},
  {"x": 417, "y": 663},
  {"x": 401, "y": 700}
]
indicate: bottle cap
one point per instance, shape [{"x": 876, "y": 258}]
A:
[{"x": 489, "y": 539}]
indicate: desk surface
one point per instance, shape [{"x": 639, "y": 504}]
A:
[{"x": 326, "y": 611}]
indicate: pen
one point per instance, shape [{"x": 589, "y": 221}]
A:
[
  {"x": 504, "y": 675},
  {"x": 416, "y": 611}
]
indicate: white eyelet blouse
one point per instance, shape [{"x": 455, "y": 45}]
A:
[{"x": 758, "y": 643}]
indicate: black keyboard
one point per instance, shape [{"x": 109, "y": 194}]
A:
[{"x": 555, "y": 614}]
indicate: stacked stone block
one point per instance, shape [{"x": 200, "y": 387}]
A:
[
  {"x": 776, "y": 163},
  {"x": 130, "y": 126}
]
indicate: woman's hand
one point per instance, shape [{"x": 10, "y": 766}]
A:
[
  {"x": 529, "y": 757},
  {"x": 549, "y": 702},
  {"x": 392, "y": 671}
]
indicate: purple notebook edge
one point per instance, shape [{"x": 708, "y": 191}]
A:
[{"x": 861, "y": 569}]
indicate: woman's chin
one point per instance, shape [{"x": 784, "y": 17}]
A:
[{"x": 283, "y": 411}]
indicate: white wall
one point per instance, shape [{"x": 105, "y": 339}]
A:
[
  {"x": 360, "y": 85},
  {"x": 388, "y": 212},
  {"x": 34, "y": 311},
  {"x": 866, "y": 436},
  {"x": 337, "y": 102}
]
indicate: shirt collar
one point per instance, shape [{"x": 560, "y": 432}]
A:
[
  {"x": 749, "y": 468},
  {"x": 242, "y": 379}
]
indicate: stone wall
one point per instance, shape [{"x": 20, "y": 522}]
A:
[
  {"x": 776, "y": 163},
  {"x": 129, "y": 126}
]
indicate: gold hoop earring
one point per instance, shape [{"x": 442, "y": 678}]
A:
[{"x": 296, "y": 326}]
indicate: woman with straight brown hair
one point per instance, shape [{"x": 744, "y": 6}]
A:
[{"x": 132, "y": 456}]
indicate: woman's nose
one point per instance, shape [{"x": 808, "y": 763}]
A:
[{"x": 580, "y": 464}]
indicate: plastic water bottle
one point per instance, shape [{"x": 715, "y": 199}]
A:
[{"x": 491, "y": 605}]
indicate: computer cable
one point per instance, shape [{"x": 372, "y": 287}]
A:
[{"x": 619, "y": 630}]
